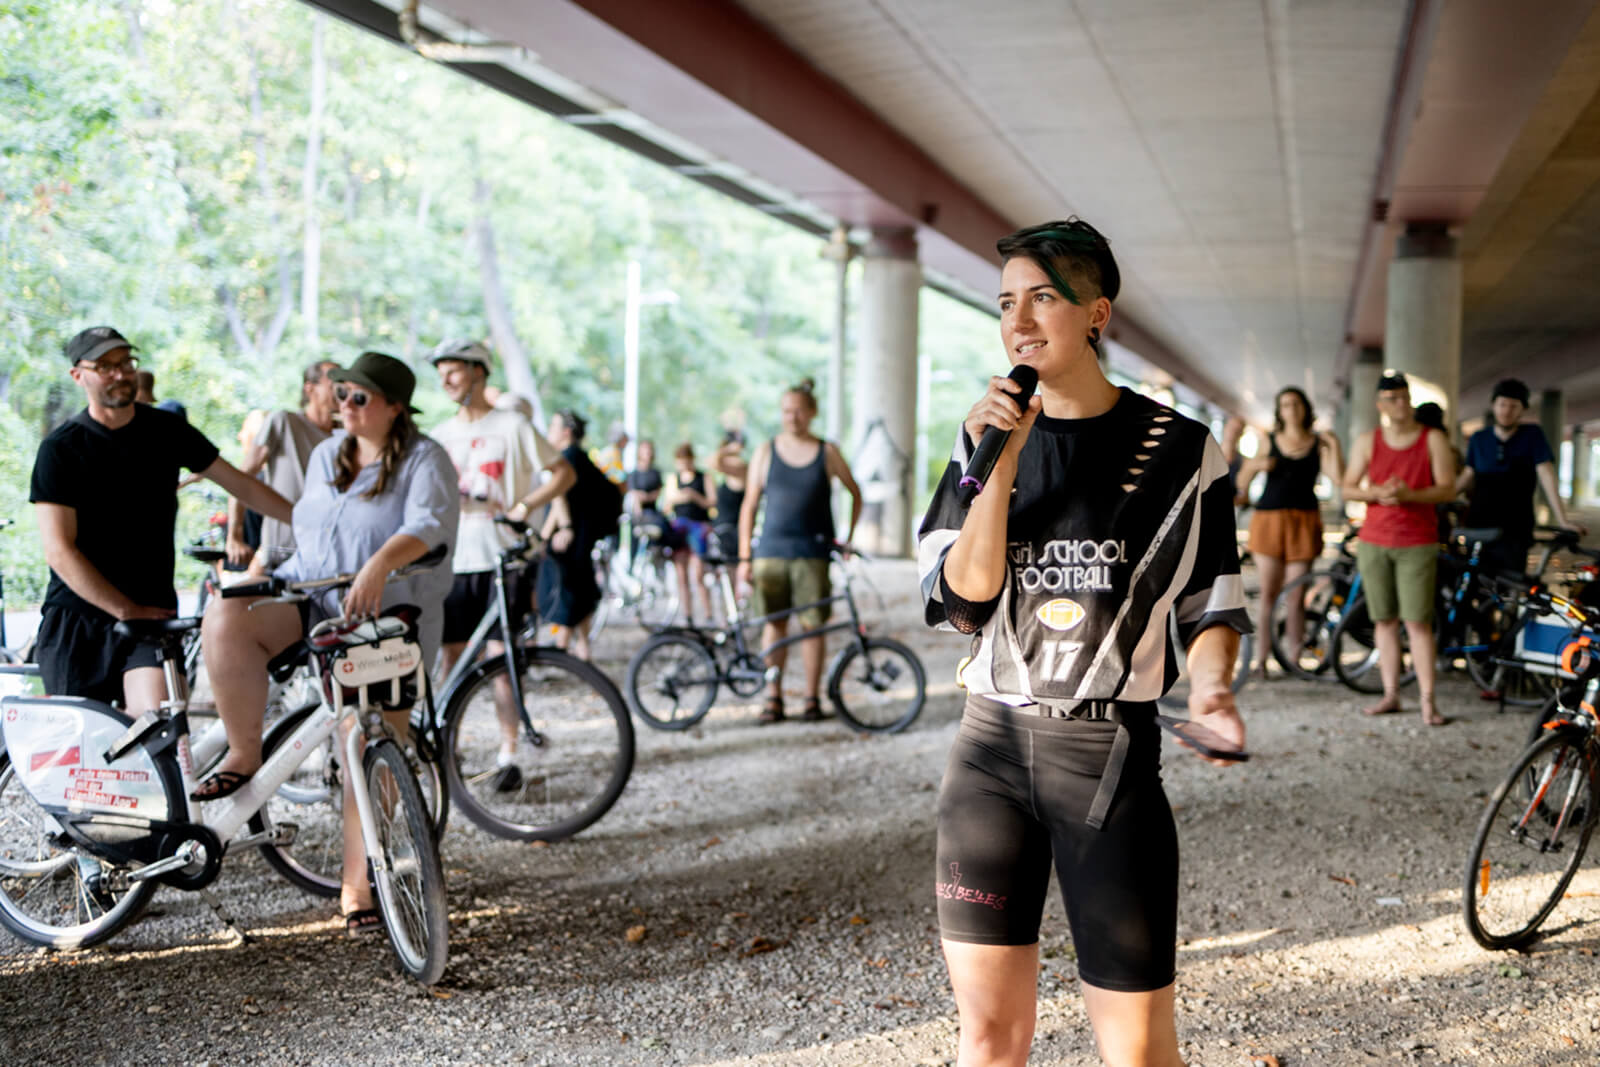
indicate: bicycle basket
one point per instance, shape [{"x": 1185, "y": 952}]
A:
[{"x": 371, "y": 662}]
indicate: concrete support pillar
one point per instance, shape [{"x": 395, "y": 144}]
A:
[
  {"x": 884, "y": 423},
  {"x": 1580, "y": 468},
  {"x": 1364, "y": 375},
  {"x": 1422, "y": 331}
]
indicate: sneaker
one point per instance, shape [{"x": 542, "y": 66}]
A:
[{"x": 508, "y": 779}]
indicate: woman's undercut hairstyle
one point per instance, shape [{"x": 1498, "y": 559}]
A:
[
  {"x": 1305, "y": 404},
  {"x": 806, "y": 389},
  {"x": 1074, "y": 255}
]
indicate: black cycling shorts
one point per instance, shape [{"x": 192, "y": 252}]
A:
[
  {"x": 80, "y": 656},
  {"x": 472, "y": 595},
  {"x": 1016, "y": 793}
]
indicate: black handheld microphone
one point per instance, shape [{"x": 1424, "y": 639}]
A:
[{"x": 994, "y": 441}]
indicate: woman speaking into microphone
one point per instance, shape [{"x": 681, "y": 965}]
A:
[{"x": 1106, "y": 519}]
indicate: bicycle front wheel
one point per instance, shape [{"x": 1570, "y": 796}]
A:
[
  {"x": 312, "y": 802},
  {"x": 672, "y": 681},
  {"x": 553, "y": 782},
  {"x": 878, "y": 685},
  {"x": 406, "y": 873},
  {"x": 1530, "y": 842},
  {"x": 52, "y": 892}
]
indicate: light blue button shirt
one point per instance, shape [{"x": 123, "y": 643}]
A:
[{"x": 336, "y": 533}]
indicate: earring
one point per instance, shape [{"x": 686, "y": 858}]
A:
[{"x": 1094, "y": 335}]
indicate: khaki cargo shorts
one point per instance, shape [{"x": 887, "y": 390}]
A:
[
  {"x": 780, "y": 584},
  {"x": 1398, "y": 582}
]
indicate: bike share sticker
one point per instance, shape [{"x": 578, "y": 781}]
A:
[
  {"x": 58, "y": 749},
  {"x": 392, "y": 658}
]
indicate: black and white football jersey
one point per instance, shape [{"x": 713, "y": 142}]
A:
[{"x": 1120, "y": 544}]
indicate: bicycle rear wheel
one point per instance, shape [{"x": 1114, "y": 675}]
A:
[
  {"x": 1501, "y": 672},
  {"x": 672, "y": 681},
  {"x": 1355, "y": 652},
  {"x": 1530, "y": 841},
  {"x": 406, "y": 873},
  {"x": 878, "y": 685},
  {"x": 560, "y": 781},
  {"x": 1322, "y": 595},
  {"x": 52, "y": 892}
]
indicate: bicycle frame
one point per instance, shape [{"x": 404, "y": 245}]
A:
[
  {"x": 278, "y": 769},
  {"x": 737, "y": 623}
]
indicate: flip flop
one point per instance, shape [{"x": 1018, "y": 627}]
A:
[
  {"x": 363, "y": 922},
  {"x": 220, "y": 784}
]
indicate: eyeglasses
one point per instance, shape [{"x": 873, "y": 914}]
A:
[
  {"x": 130, "y": 365},
  {"x": 355, "y": 397}
]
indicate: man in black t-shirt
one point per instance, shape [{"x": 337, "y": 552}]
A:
[
  {"x": 1505, "y": 462},
  {"x": 104, "y": 490}
]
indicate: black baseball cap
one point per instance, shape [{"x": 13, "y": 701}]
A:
[
  {"x": 1392, "y": 379},
  {"x": 380, "y": 373},
  {"x": 1513, "y": 388},
  {"x": 89, "y": 345}
]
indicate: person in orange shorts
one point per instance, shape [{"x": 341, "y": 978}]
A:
[{"x": 1286, "y": 526}]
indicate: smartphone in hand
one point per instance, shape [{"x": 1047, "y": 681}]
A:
[{"x": 1205, "y": 741}]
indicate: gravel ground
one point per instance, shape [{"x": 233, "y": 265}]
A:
[{"x": 776, "y": 883}]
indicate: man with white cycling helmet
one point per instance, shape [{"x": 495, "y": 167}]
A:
[
  {"x": 498, "y": 459},
  {"x": 104, "y": 492}
]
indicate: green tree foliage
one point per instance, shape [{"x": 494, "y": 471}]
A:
[{"x": 151, "y": 177}]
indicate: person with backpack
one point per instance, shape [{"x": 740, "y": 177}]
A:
[{"x": 586, "y": 513}]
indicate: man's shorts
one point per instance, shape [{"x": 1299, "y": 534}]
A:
[
  {"x": 472, "y": 596},
  {"x": 79, "y": 656},
  {"x": 781, "y": 584},
  {"x": 1398, "y": 582},
  {"x": 1290, "y": 534}
]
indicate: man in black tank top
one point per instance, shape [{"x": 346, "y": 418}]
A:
[{"x": 794, "y": 471}]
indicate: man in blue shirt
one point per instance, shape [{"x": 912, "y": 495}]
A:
[{"x": 1505, "y": 461}]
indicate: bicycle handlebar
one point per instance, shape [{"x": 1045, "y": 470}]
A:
[{"x": 287, "y": 591}]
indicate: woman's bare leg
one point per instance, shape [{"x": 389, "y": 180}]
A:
[
  {"x": 996, "y": 989},
  {"x": 238, "y": 644},
  {"x": 1133, "y": 1029},
  {"x": 1270, "y": 569}
]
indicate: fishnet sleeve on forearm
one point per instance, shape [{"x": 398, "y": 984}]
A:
[{"x": 964, "y": 615}]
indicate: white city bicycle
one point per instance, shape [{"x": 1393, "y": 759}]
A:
[{"x": 95, "y": 807}]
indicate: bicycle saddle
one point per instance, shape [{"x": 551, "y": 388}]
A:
[
  {"x": 154, "y": 627},
  {"x": 285, "y": 663}
]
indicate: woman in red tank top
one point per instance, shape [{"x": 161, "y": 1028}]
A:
[{"x": 1402, "y": 469}]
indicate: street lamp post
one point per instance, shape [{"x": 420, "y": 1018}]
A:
[{"x": 630, "y": 353}]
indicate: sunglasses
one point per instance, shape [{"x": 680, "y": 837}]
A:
[{"x": 355, "y": 397}]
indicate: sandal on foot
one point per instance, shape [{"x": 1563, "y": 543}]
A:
[
  {"x": 362, "y": 922},
  {"x": 221, "y": 784},
  {"x": 771, "y": 712},
  {"x": 812, "y": 712}
]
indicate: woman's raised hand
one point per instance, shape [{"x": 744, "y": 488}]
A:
[{"x": 998, "y": 408}]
